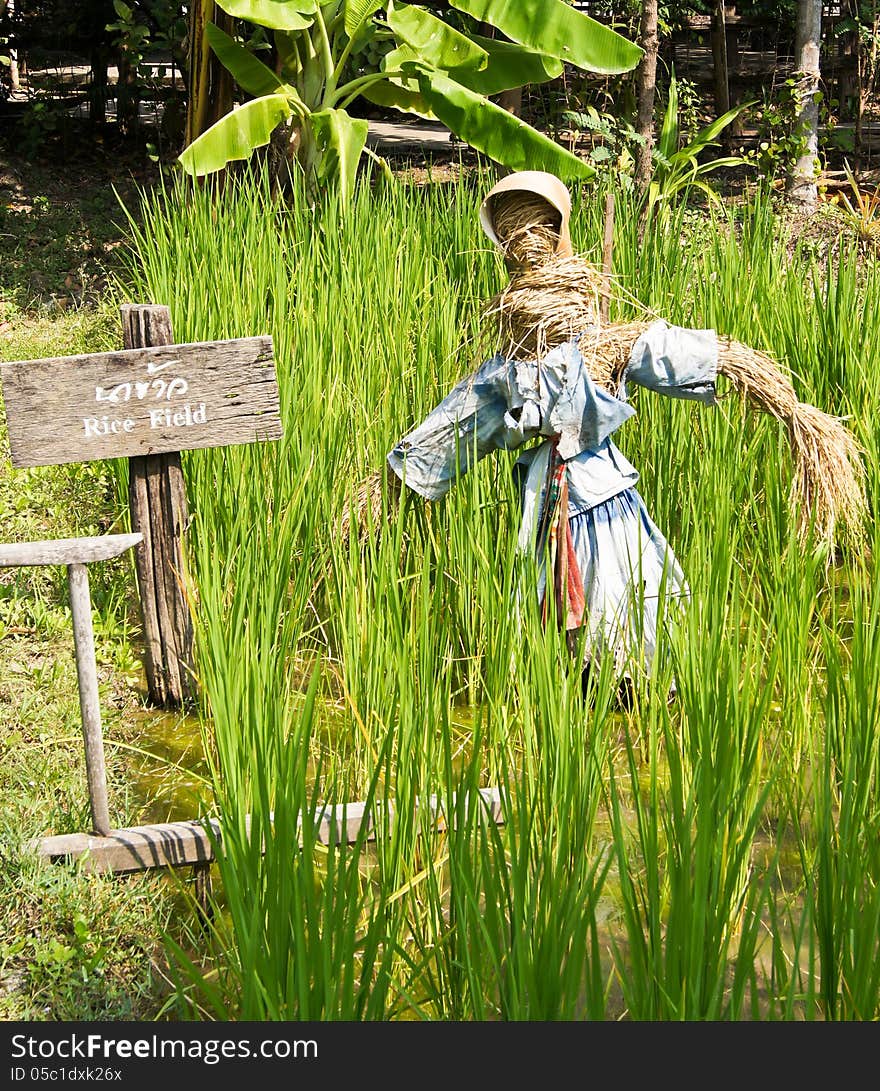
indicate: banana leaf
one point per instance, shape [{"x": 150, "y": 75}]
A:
[
  {"x": 248, "y": 71},
  {"x": 388, "y": 94},
  {"x": 554, "y": 27},
  {"x": 402, "y": 66},
  {"x": 509, "y": 65},
  {"x": 236, "y": 135},
  {"x": 356, "y": 13},
  {"x": 274, "y": 14},
  {"x": 433, "y": 40},
  {"x": 340, "y": 139},
  {"x": 496, "y": 132}
]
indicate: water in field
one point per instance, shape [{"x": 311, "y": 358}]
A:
[{"x": 167, "y": 776}]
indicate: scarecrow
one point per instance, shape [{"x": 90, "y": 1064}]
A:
[{"x": 557, "y": 387}]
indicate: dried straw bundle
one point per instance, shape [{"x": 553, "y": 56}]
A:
[
  {"x": 543, "y": 307},
  {"x": 368, "y": 509},
  {"x": 606, "y": 351},
  {"x": 829, "y": 476}
]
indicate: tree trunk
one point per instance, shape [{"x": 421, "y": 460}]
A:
[
  {"x": 512, "y": 101},
  {"x": 720, "y": 70},
  {"x": 646, "y": 83},
  {"x": 802, "y": 187},
  {"x": 100, "y": 13},
  {"x": 98, "y": 85},
  {"x": 866, "y": 60},
  {"x": 209, "y": 83},
  {"x": 859, "y": 101},
  {"x": 127, "y": 96},
  {"x": 508, "y": 100},
  {"x": 9, "y": 7}
]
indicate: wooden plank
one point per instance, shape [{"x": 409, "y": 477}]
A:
[
  {"x": 159, "y": 511},
  {"x": 607, "y": 257},
  {"x": 66, "y": 550},
  {"x": 141, "y": 401},
  {"x": 178, "y": 844},
  {"x": 135, "y": 848}
]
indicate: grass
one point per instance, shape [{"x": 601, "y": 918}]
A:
[
  {"x": 645, "y": 858},
  {"x": 60, "y": 227},
  {"x": 710, "y": 859},
  {"x": 74, "y": 946}
]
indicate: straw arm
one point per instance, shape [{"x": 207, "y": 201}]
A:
[{"x": 828, "y": 490}]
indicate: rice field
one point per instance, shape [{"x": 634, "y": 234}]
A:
[{"x": 712, "y": 858}]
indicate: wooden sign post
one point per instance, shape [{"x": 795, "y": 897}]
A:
[
  {"x": 158, "y": 509},
  {"x": 147, "y": 402}
]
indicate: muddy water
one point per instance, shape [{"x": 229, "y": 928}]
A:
[{"x": 167, "y": 773}]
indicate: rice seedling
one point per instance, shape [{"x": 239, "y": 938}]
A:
[
  {"x": 845, "y": 894},
  {"x": 643, "y": 866},
  {"x": 690, "y": 895}
]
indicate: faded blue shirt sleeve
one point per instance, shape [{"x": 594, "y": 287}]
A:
[
  {"x": 482, "y": 413},
  {"x": 672, "y": 360}
]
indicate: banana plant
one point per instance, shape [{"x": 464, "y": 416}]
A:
[{"x": 330, "y": 52}]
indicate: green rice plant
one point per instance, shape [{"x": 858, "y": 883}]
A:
[
  {"x": 784, "y": 984},
  {"x": 303, "y": 932},
  {"x": 845, "y": 895},
  {"x": 644, "y": 860},
  {"x": 526, "y": 897},
  {"x": 690, "y": 901}
]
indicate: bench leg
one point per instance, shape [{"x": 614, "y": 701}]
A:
[{"x": 87, "y": 673}]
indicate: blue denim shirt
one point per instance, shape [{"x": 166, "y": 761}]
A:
[{"x": 506, "y": 403}]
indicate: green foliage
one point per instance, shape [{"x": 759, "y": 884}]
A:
[
  {"x": 555, "y": 28},
  {"x": 681, "y": 167},
  {"x": 131, "y": 36},
  {"x": 404, "y": 56},
  {"x": 859, "y": 211},
  {"x": 781, "y": 133},
  {"x": 41, "y": 121},
  {"x": 613, "y": 142},
  {"x": 142, "y": 27}
]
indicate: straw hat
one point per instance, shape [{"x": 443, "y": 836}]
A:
[{"x": 542, "y": 184}]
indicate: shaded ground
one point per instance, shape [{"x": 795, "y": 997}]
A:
[
  {"x": 61, "y": 222},
  {"x": 62, "y": 211}
]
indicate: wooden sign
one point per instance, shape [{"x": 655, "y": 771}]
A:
[
  {"x": 147, "y": 402},
  {"x": 141, "y": 401}
]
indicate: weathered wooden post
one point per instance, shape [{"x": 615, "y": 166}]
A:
[
  {"x": 158, "y": 508},
  {"x": 77, "y": 553},
  {"x": 89, "y": 704}
]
